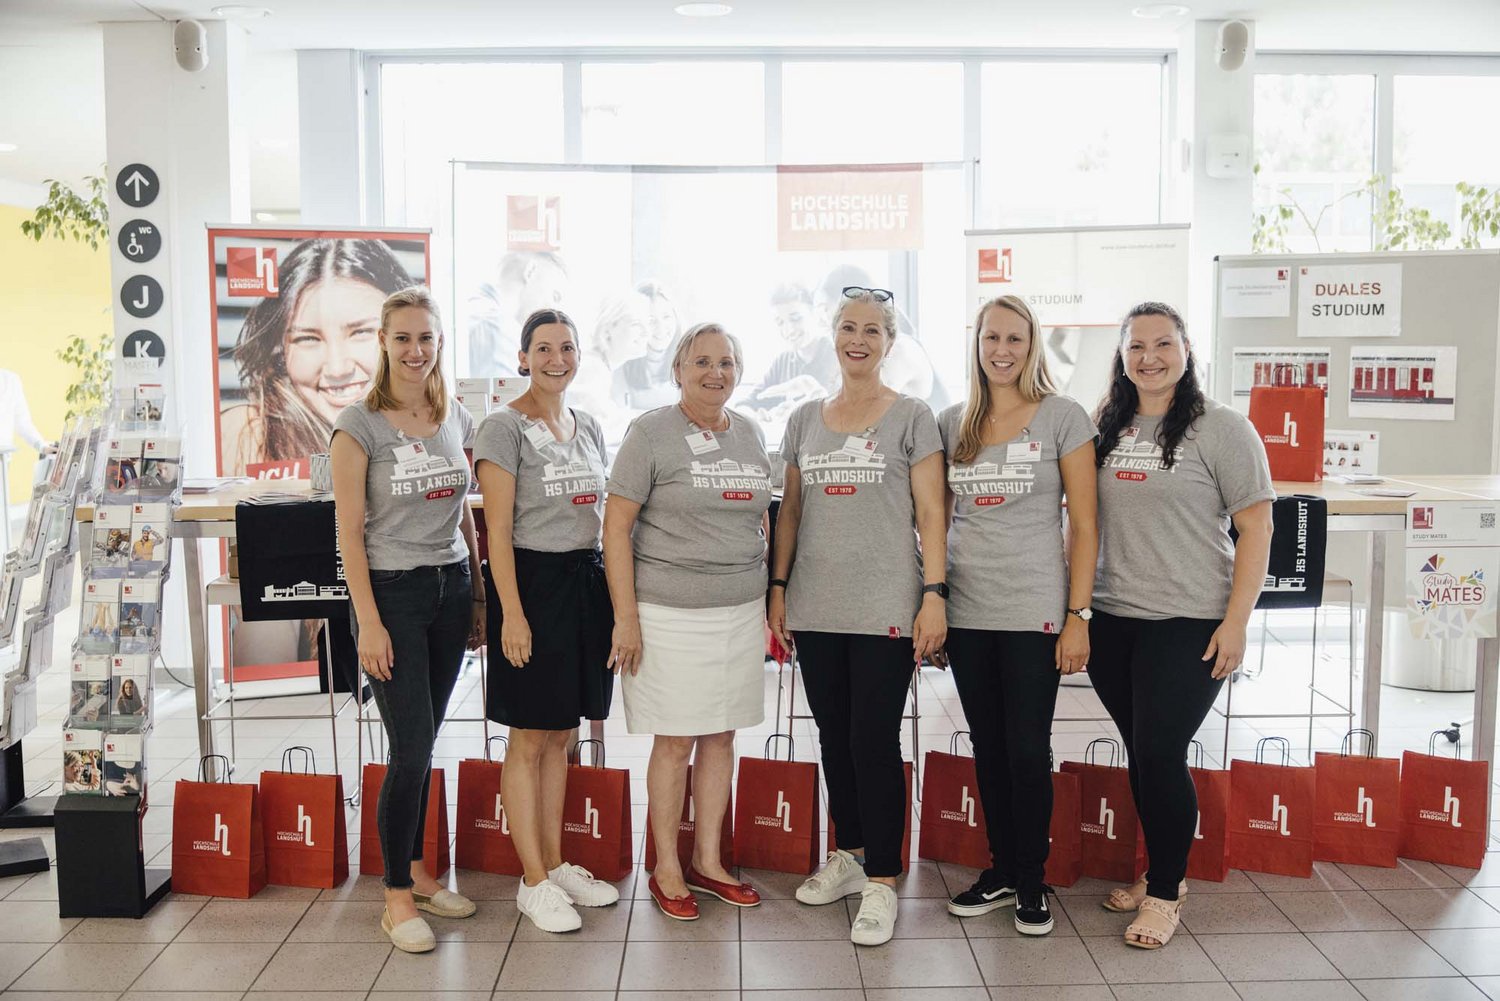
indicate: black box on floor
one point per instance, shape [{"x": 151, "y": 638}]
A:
[{"x": 101, "y": 869}]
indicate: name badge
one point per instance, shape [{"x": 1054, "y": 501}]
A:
[
  {"x": 702, "y": 442},
  {"x": 1023, "y": 451},
  {"x": 860, "y": 448},
  {"x": 409, "y": 453},
  {"x": 540, "y": 435},
  {"x": 1129, "y": 435}
]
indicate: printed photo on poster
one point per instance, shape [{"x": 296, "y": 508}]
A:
[
  {"x": 1351, "y": 452},
  {"x": 1247, "y": 293},
  {"x": 1349, "y": 300},
  {"x": 1278, "y": 366},
  {"x": 1417, "y": 383}
]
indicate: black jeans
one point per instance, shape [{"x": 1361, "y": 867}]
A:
[
  {"x": 1151, "y": 677},
  {"x": 856, "y": 687},
  {"x": 1007, "y": 682},
  {"x": 427, "y": 613}
]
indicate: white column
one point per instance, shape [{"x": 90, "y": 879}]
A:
[
  {"x": 1212, "y": 102},
  {"x": 331, "y": 136}
]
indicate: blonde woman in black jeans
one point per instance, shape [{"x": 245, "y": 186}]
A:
[{"x": 401, "y": 484}]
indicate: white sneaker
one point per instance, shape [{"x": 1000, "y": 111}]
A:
[
  {"x": 548, "y": 906},
  {"x": 876, "y": 921},
  {"x": 581, "y": 885},
  {"x": 840, "y": 876}
]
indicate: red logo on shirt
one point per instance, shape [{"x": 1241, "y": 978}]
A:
[
  {"x": 440, "y": 494},
  {"x": 988, "y": 501},
  {"x": 586, "y": 499},
  {"x": 738, "y": 495},
  {"x": 1126, "y": 474},
  {"x": 839, "y": 491}
]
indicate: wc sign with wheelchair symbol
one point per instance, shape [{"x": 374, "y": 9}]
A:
[{"x": 139, "y": 241}]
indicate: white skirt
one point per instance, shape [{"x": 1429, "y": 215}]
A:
[{"x": 702, "y": 670}]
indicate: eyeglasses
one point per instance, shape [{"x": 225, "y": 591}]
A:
[{"x": 859, "y": 291}]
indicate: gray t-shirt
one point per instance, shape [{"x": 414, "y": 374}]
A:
[
  {"x": 699, "y": 540},
  {"x": 415, "y": 488},
  {"x": 559, "y": 484},
  {"x": 1006, "y": 565},
  {"x": 1164, "y": 547},
  {"x": 857, "y": 568}
]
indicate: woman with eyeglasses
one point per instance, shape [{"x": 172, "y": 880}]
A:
[
  {"x": 684, "y": 554},
  {"x": 860, "y": 600},
  {"x": 1019, "y": 612},
  {"x": 1173, "y": 592}
]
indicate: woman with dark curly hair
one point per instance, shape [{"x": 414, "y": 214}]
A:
[{"x": 308, "y": 353}]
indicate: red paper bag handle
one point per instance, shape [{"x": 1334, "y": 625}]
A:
[
  {"x": 1348, "y": 742},
  {"x": 1432, "y": 742},
  {"x": 227, "y": 770},
  {"x": 1196, "y": 746},
  {"x": 503, "y": 743},
  {"x": 577, "y": 755},
  {"x": 309, "y": 761},
  {"x": 1281, "y": 742},
  {"x": 953, "y": 741},
  {"x": 791, "y": 746},
  {"x": 1113, "y": 745}
]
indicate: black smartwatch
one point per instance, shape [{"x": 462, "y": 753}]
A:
[
  {"x": 940, "y": 589},
  {"x": 776, "y": 582}
]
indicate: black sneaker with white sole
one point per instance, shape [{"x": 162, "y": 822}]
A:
[
  {"x": 1033, "y": 916},
  {"x": 989, "y": 893}
]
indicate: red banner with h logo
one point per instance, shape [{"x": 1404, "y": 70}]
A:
[
  {"x": 218, "y": 847},
  {"x": 953, "y": 827},
  {"x": 302, "y": 817},
  {"x": 1271, "y": 813},
  {"x": 596, "y": 817},
  {"x": 1108, "y": 828},
  {"x": 1444, "y": 808},
  {"x": 776, "y": 812}
]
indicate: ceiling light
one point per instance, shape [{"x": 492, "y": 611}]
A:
[
  {"x": 265, "y": 217},
  {"x": 1157, "y": 11},
  {"x": 8, "y": 147},
  {"x": 703, "y": 9},
  {"x": 241, "y": 12}
]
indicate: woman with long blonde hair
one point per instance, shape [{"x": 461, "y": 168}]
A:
[{"x": 1018, "y": 607}]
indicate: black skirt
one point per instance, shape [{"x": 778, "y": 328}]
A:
[{"x": 566, "y": 602}]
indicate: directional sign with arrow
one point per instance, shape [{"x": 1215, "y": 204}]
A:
[{"x": 137, "y": 185}]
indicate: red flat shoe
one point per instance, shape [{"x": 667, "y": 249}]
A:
[
  {"x": 677, "y": 908},
  {"x": 738, "y": 894}
]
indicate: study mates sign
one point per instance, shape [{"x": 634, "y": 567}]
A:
[{"x": 1452, "y": 565}]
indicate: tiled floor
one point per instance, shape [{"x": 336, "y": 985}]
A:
[{"x": 1420, "y": 931}]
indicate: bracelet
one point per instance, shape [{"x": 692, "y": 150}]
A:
[{"x": 776, "y": 582}]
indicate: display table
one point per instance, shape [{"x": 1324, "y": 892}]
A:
[{"x": 211, "y": 516}]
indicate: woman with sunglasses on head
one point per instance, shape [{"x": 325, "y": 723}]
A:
[
  {"x": 861, "y": 602},
  {"x": 406, "y": 534},
  {"x": 684, "y": 548},
  {"x": 541, "y": 466},
  {"x": 1019, "y": 608},
  {"x": 1173, "y": 592}
]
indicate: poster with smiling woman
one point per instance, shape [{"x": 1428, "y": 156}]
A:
[{"x": 295, "y": 315}]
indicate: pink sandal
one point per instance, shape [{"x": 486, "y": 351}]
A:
[
  {"x": 1155, "y": 923},
  {"x": 1127, "y": 899}
]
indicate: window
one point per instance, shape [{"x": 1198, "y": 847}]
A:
[
  {"x": 674, "y": 113},
  {"x": 1070, "y": 144},
  {"x": 1438, "y": 142},
  {"x": 1315, "y": 150},
  {"x": 871, "y": 112}
]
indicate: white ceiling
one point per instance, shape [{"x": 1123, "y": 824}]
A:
[{"x": 51, "y": 77}]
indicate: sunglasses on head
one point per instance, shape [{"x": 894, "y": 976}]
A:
[{"x": 878, "y": 294}]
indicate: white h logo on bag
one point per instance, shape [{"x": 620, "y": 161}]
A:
[
  {"x": 1450, "y": 806},
  {"x": 591, "y": 817},
  {"x": 784, "y": 810},
  {"x": 500, "y": 817},
  {"x": 1106, "y": 818},
  {"x": 1198, "y": 827},
  {"x": 304, "y": 825},
  {"x": 1365, "y": 807},
  {"x": 1289, "y": 428},
  {"x": 966, "y": 803},
  {"x": 221, "y": 833},
  {"x": 1280, "y": 815}
]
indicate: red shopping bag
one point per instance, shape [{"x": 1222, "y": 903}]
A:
[
  {"x": 483, "y": 840},
  {"x": 953, "y": 826},
  {"x": 1065, "y": 851},
  {"x": 1289, "y": 421},
  {"x": 1109, "y": 832},
  {"x": 435, "y": 858},
  {"x": 906, "y": 833},
  {"x": 1208, "y": 858},
  {"x": 776, "y": 812},
  {"x": 1444, "y": 808},
  {"x": 1271, "y": 813},
  {"x": 1358, "y": 814},
  {"x": 596, "y": 816},
  {"x": 218, "y": 847},
  {"x": 687, "y": 830},
  {"x": 302, "y": 816}
]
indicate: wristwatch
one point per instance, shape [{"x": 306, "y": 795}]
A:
[
  {"x": 1085, "y": 613},
  {"x": 940, "y": 589}
]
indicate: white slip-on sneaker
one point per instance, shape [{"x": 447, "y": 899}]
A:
[
  {"x": 876, "y": 921},
  {"x": 840, "y": 876},
  {"x": 445, "y": 904},
  {"x": 583, "y": 887},
  {"x": 411, "y": 935},
  {"x": 548, "y": 906}
]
